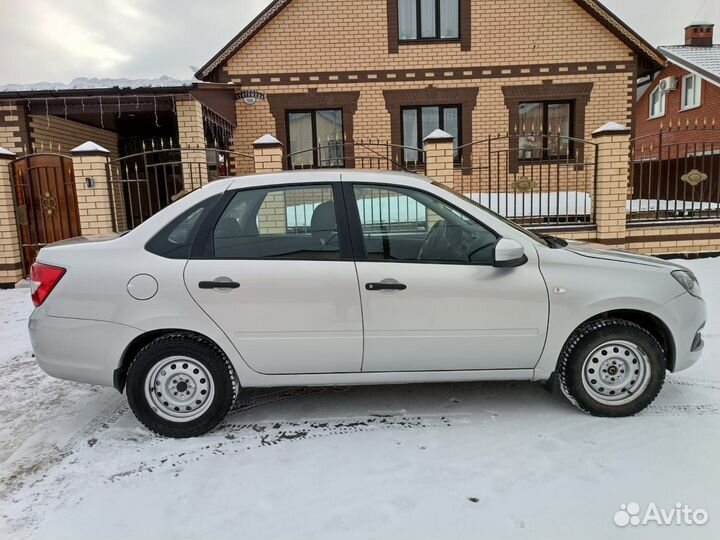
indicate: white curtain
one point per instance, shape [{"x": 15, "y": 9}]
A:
[
  {"x": 407, "y": 15},
  {"x": 410, "y": 134},
  {"x": 301, "y": 139},
  {"x": 427, "y": 18},
  {"x": 449, "y": 19}
]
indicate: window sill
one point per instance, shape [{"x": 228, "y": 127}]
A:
[
  {"x": 656, "y": 116},
  {"x": 690, "y": 108},
  {"x": 428, "y": 41}
]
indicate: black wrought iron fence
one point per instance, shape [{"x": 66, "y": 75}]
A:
[
  {"x": 534, "y": 179},
  {"x": 144, "y": 183},
  {"x": 358, "y": 155},
  {"x": 675, "y": 174}
]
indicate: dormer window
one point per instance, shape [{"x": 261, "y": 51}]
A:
[{"x": 428, "y": 20}]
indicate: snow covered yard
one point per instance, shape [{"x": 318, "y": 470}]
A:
[{"x": 491, "y": 460}]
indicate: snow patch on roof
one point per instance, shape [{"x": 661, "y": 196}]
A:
[
  {"x": 94, "y": 83},
  {"x": 5, "y": 152}
]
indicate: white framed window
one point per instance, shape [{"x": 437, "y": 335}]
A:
[
  {"x": 691, "y": 91},
  {"x": 657, "y": 103}
]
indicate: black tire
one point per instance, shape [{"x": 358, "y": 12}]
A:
[
  {"x": 201, "y": 351},
  {"x": 586, "y": 340}
]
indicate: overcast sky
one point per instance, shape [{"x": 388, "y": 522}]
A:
[{"x": 57, "y": 40}]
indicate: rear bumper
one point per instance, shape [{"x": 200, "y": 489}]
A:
[
  {"x": 79, "y": 350},
  {"x": 685, "y": 316}
]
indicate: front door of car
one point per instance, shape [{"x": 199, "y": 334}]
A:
[
  {"x": 277, "y": 276},
  {"x": 432, "y": 300}
]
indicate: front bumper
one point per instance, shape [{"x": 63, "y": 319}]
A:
[
  {"x": 79, "y": 350},
  {"x": 685, "y": 316}
]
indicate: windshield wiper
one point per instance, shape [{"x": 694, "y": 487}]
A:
[{"x": 553, "y": 241}]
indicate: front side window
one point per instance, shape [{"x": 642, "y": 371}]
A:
[
  {"x": 691, "y": 92},
  {"x": 279, "y": 223},
  {"x": 657, "y": 103},
  {"x": 405, "y": 225},
  {"x": 545, "y": 130},
  {"x": 315, "y": 138},
  {"x": 428, "y": 19},
  {"x": 419, "y": 122}
]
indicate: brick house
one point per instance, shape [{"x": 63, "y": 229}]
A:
[
  {"x": 683, "y": 100},
  {"x": 395, "y": 70}
]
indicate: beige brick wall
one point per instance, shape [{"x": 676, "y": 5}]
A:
[
  {"x": 94, "y": 204},
  {"x": 676, "y": 238},
  {"x": 326, "y": 35},
  {"x": 504, "y": 32},
  {"x": 10, "y": 130},
  {"x": 613, "y": 173},
  {"x": 191, "y": 134},
  {"x": 10, "y": 258}
]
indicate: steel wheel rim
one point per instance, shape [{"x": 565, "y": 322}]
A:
[
  {"x": 616, "y": 372},
  {"x": 179, "y": 389}
]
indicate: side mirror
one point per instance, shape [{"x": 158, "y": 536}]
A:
[{"x": 509, "y": 254}]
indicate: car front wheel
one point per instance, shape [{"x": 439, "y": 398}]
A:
[
  {"x": 181, "y": 385},
  {"x": 612, "y": 367}
]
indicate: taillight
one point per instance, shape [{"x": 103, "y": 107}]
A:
[{"x": 43, "y": 279}]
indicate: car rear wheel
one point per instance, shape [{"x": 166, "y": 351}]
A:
[
  {"x": 612, "y": 367},
  {"x": 181, "y": 385}
]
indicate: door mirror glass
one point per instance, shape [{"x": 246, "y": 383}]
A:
[{"x": 509, "y": 254}]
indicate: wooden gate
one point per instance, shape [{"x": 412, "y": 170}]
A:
[{"x": 45, "y": 202}]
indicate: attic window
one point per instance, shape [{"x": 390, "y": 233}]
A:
[{"x": 428, "y": 19}]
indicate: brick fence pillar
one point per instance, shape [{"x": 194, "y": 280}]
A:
[
  {"x": 191, "y": 137},
  {"x": 92, "y": 185},
  {"x": 439, "y": 157},
  {"x": 11, "y": 267},
  {"x": 613, "y": 175},
  {"x": 268, "y": 152}
]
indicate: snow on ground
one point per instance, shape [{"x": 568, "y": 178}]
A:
[{"x": 475, "y": 460}]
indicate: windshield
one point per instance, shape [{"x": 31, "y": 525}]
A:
[{"x": 493, "y": 213}]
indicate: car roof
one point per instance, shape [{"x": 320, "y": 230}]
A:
[{"x": 327, "y": 175}]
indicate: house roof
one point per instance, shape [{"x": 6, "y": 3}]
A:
[
  {"x": 705, "y": 61},
  {"x": 608, "y": 19}
]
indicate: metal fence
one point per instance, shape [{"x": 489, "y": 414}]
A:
[
  {"x": 675, "y": 175},
  {"x": 358, "y": 155},
  {"x": 533, "y": 179},
  {"x": 144, "y": 183}
]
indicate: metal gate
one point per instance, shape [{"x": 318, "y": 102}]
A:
[
  {"x": 675, "y": 175},
  {"x": 45, "y": 202},
  {"x": 144, "y": 183},
  {"x": 534, "y": 179}
]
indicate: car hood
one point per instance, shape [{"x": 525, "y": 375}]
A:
[{"x": 599, "y": 251}]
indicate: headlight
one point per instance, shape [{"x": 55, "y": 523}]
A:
[{"x": 689, "y": 282}]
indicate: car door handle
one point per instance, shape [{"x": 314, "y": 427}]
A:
[
  {"x": 385, "y": 286},
  {"x": 218, "y": 285}
]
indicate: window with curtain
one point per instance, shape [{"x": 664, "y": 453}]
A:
[
  {"x": 419, "y": 122},
  {"x": 545, "y": 130},
  {"x": 428, "y": 19},
  {"x": 315, "y": 138}
]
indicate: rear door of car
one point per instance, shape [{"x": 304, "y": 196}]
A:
[{"x": 274, "y": 269}]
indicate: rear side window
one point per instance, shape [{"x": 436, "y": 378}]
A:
[
  {"x": 279, "y": 223},
  {"x": 176, "y": 238}
]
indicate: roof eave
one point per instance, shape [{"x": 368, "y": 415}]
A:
[{"x": 689, "y": 66}]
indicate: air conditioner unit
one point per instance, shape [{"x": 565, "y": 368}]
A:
[{"x": 668, "y": 84}]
